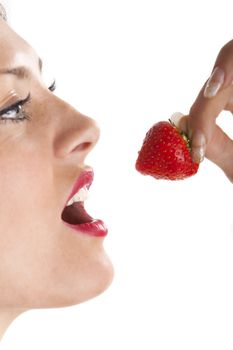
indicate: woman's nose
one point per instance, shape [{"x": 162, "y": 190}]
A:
[{"x": 76, "y": 134}]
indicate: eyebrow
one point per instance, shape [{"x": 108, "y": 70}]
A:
[{"x": 21, "y": 72}]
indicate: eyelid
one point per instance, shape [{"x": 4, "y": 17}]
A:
[
  {"x": 15, "y": 104},
  {"x": 12, "y": 95}
]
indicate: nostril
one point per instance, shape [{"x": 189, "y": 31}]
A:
[
  {"x": 79, "y": 135},
  {"x": 83, "y": 146}
]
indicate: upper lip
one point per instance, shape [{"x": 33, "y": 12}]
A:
[{"x": 84, "y": 179}]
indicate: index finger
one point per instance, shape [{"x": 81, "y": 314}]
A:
[
  {"x": 203, "y": 114},
  {"x": 214, "y": 95}
]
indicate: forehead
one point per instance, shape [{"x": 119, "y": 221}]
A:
[{"x": 14, "y": 50}]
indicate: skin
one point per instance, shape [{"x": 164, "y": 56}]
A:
[
  {"x": 204, "y": 112},
  {"x": 44, "y": 263}
]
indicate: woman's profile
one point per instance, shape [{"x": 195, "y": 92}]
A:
[
  {"x": 51, "y": 251},
  {"x": 131, "y": 63}
]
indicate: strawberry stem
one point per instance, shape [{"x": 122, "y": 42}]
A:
[
  {"x": 187, "y": 140},
  {"x": 171, "y": 122},
  {"x": 183, "y": 134}
]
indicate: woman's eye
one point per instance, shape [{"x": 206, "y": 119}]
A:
[
  {"x": 12, "y": 113},
  {"x": 15, "y": 112}
]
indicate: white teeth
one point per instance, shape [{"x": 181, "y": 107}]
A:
[{"x": 80, "y": 196}]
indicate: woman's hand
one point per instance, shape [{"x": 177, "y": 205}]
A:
[{"x": 216, "y": 95}]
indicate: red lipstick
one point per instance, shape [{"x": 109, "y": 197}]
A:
[
  {"x": 75, "y": 215},
  {"x": 85, "y": 179}
]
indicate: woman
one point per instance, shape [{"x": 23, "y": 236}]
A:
[
  {"x": 44, "y": 261},
  {"x": 51, "y": 250}
]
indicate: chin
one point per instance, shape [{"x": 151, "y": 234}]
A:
[
  {"x": 91, "y": 287},
  {"x": 75, "y": 290}
]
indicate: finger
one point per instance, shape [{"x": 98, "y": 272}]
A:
[
  {"x": 181, "y": 121},
  {"x": 225, "y": 62},
  {"x": 216, "y": 95},
  {"x": 220, "y": 151},
  {"x": 222, "y": 73},
  {"x": 202, "y": 120}
]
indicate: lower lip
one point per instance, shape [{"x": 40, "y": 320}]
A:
[{"x": 96, "y": 228}]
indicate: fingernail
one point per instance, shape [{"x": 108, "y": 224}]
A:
[
  {"x": 198, "y": 154},
  {"x": 198, "y": 146},
  {"x": 176, "y": 117},
  {"x": 214, "y": 83}
]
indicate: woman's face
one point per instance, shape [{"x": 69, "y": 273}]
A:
[{"x": 43, "y": 144}]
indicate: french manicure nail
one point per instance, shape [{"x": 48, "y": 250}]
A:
[
  {"x": 198, "y": 146},
  {"x": 176, "y": 117},
  {"x": 214, "y": 83},
  {"x": 198, "y": 154}
]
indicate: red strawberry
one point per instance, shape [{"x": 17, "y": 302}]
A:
[{"x": 165, "y": 153}]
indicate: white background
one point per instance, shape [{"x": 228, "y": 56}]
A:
[{"x": 129, "y": 64}]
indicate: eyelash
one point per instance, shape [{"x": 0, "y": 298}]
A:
[
  {"x": 18, "y": 108},
  {"x": 52, "y": 87}
]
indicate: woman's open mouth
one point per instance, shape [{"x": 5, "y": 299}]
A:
[{"x": 74, "y": 214}]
